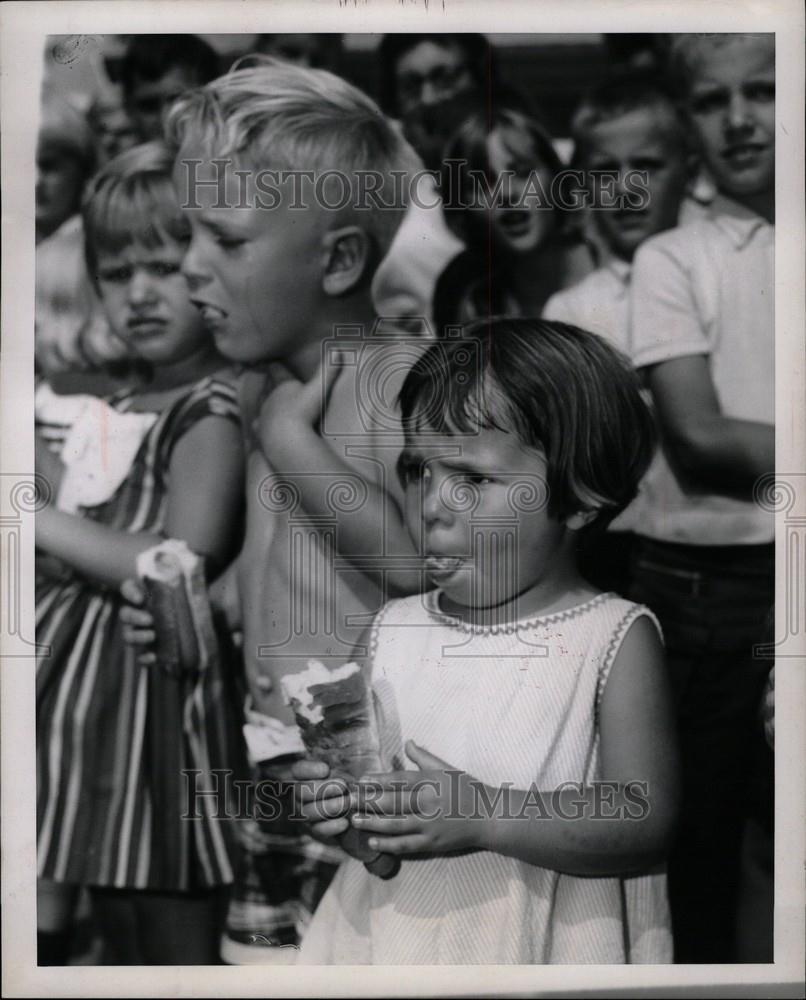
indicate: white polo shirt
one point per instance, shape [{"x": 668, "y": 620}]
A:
[
  {"x": 599, "y": 303},
  {"x": 706, "y": 288}
]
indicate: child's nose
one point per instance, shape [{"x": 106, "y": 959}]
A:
[
  {"x": 141, "y": 288},
  {"x": 429, "y": 94},
  {"x": 435, "y": 510},
  {"x": 193, "y": 266},
  {"x": 738, "y": 111}
]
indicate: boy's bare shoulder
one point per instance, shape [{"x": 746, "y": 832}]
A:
[{"x": 373, "y": 369}]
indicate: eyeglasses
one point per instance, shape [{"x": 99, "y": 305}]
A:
[{"x": 443, "y": 80}]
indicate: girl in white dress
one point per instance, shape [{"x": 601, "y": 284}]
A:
[{"x": 525, "y": 717}]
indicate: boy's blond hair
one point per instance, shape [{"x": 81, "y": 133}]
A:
[
  {"x": 625, "y": 92},
  {"x": 683, "y": 51},
  {"x": 278, "y": 116}
]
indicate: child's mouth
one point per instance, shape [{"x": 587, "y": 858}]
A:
[
  {"x": 629, "y": 219},
  {"x": 743, "y": 154},
  {"x": 441, "y": 568},
  {"x": 210, "y": 313},
  {"x": 515, "y": 222},
  {"x": 146, "y": 326}
]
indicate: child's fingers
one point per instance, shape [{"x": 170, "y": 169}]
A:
[
  {"x": 319, "y": 810},
  {"x": 146, "y": 659},
  {"x": 306, "y": 770},
  {"x": 424, "y": 759},
  {"x": 319, "y": 791},
  {"x": 389, "y": 779},
  {"x": 413, "y": 844},
  {"x": 387, "y": 825},
  {"x": 139, "y": 636},
  {"x": 138, "y": 617},
  {"x": 387, "y": 802},
  {"x": 132, "y": 591},
  {"x": 330, "y": 828}
]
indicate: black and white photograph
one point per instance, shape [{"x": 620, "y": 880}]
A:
[{"x": 403, "y": 500}]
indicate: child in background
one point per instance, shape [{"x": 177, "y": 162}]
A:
[
  {"x": 109, "y": 791},
  {"x": 155, "y": 70},
  {"x": 113, "y": 128},
  {"x": 522, "y": 248},
  {"x": 514, "y": 675},
  {"x": 74, "y": 348},
  {"x": 629, "y": 123},
  {"x": 703, "y": 333},
  {"x": 431, "y": 83},
  {"x": 73, "y": 345},
  {"x": 65, "y": 158},
  {"x": 322, "y": 534}
]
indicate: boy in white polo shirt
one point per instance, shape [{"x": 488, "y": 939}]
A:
[
  {"x": 630, "y": 123},
  {"x": 703, "y": 332}
]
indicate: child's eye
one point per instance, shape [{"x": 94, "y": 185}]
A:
[
  {"x": 162, "y": 269},
  {"x": 761, "y": 92},
  {"x": 708, "y": 101},
  {"x": 476, "y": 479},
  {"x": 115, "y": 275},
  {"x": 411, "y": 470},
  {"x": 229, "y": 242},
  {"x": 647, "y": 165}
]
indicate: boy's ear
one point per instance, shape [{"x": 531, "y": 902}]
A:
[
  {"x": 346, "y": 253},
  {"x": 580, "y": 519}
]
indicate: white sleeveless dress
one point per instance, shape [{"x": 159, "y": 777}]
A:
[{"x": 510, "y": 704}]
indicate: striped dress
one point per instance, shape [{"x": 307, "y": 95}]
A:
[
  {"x": 114, "y": 737},
  {"x": 513, "y": 705}
]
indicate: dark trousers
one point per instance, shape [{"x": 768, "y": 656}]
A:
[
  {"x": 606, "y": 561},
  {"x": 713, "y": 604}
]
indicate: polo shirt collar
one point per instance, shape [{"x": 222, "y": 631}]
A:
[
  {"x": 620, "y": 269},
  {"x": 740, "y": 224}
]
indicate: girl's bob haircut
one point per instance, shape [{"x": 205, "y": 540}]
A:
[
  {"x": 132, "y": 200},
  {"x": 560, "y": 389}
]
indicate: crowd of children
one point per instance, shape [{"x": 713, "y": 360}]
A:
[{"x": 530, "y": 521}]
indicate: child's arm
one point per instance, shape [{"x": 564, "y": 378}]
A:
[
  {"x": 620, "y": 826},
  {"x": 205, "y": 486},
  {"x": 290, "y": 440},
  {"x": 670, "y": 344},
  {"x": 723, "y": 453}
]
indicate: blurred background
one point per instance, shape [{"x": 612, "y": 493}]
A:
[{"x": 551, "y": 69}]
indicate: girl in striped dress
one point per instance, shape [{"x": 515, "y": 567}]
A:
[
  {"x": 524, "y": 718},
  {"x": 114, "y": 735}
]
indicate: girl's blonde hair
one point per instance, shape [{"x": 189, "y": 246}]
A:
[
  {"x": 132, "y": 200},
  {"x": 71, "y": 332}
]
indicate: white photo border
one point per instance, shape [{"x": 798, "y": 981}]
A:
[{"x": 23, "y": 29}]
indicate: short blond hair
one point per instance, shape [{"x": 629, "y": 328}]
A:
[
  {"x": 279, "y": 116},
  {"x": 684, "y": 50}
]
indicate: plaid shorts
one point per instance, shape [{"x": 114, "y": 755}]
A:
[{"x": 281, "y": 875}]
